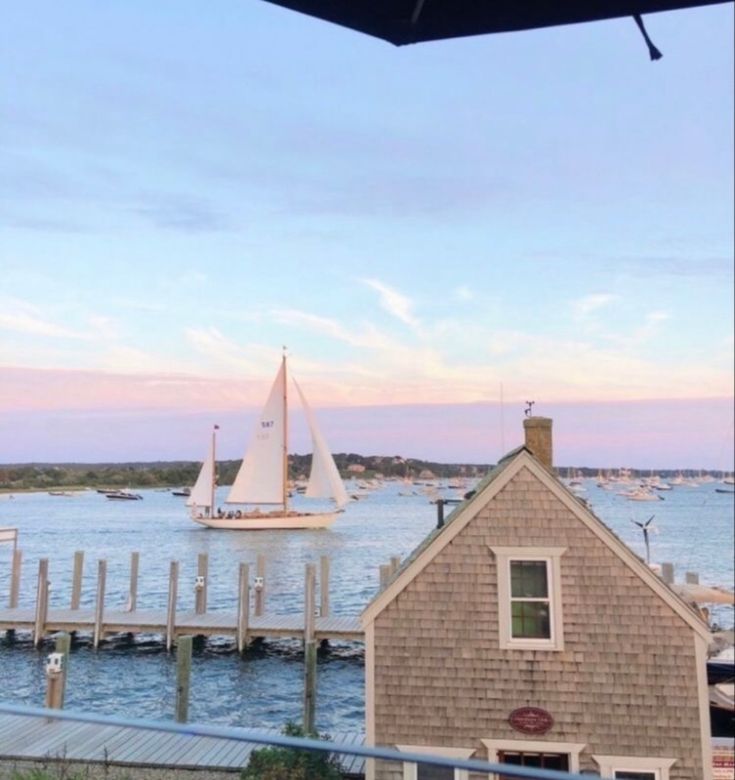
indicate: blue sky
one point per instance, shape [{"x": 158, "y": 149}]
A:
[{"x": 183, "y": 190}]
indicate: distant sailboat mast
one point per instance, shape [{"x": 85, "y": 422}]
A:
[
  {"x": 284, "y": 487},
  {"x": 214, "y": 467}
]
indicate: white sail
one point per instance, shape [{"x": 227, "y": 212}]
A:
[
  {"x": 260, "y": 479},
  {"x": 203, "y": 490},
  {"x": 324, "y": 479}
]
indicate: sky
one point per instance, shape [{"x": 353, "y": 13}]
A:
[{"x": 438, "y": 233}]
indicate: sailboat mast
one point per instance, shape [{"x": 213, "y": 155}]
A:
[
  {"x": 285, "y": 434},
  {"x": 214, "y": 468}
]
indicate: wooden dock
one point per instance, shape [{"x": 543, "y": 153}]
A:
[
  {"x": 247, "y": 622},
  {"x": 25, "y": 738},
  {"x": 185, "y": 623}
]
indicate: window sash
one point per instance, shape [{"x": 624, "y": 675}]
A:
[{"x": 524, "y": 624}]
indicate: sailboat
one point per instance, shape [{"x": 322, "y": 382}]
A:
[
  {"x": 263, "y": 475},
  {"x": 201, "y": 496}
]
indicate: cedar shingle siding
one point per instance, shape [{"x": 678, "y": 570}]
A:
[{"x": 625, "y": 683}]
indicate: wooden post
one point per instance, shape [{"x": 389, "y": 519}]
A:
[
  {"x": 173, "y": 591},
  {"x": 76, "y": 582},
  {"x": 99, "y": 612},
  {"x": 309, "y": 649},
  {"x": 55, "y": 680},
  {"x": 42, "y": 593},
  {"x": 324, "y": 586},
  {"x": 183, "y": 677},
  {"x": 200, "y": 588},
  {"x": 133, "y": 592},
  {"x": 260, "y": 585},
  {"x": 15, "y": 579},
  {"x": 395, "y": 564},
  {"x": 691, "y": 578},
  {"x": 384, "y": 575},
  {"x": 667, "y": 573},
  {"x": 243, "y": 608},
  {"x": 63, "y": 646}
]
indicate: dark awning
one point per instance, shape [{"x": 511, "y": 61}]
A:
[{"x": 411, "y": 21}]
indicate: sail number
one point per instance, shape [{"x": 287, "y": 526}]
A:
[{"x": 267, "y": 423}]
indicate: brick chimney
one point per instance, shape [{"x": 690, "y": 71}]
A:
[{"x": 538, "y": 439}]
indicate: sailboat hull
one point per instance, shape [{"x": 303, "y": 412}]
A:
[{"x": 262, "y": 522}]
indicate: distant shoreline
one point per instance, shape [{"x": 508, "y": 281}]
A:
[{"x": 43, "y": 477}]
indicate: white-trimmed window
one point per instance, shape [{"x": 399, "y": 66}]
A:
[
  {"x": 529, "y": 597},
  {"x": 415, "y": 771},
  {"x": 634, "y": 767},
  {"x": 542, "y": 754}
]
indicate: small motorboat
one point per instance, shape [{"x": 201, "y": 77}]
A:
[{"x": 123, "y": 495}]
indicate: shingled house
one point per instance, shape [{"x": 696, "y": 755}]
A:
[{"x": 524, "y": 631}]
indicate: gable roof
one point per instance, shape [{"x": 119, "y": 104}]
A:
[{"x": 488, "y": 488}]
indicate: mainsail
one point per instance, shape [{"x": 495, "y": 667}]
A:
[
  {"x": 261, "y": 476},
  {"x": 324, "y": 479}
]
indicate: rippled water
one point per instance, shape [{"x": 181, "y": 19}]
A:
[{"x": 265, "y": 687}]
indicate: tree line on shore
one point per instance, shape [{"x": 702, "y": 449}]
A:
[{"x": 46, "y": 476}]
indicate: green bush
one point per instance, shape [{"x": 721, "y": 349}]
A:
[{"x": 277, "y": 763}]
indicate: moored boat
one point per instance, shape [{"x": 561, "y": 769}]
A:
[{"x": 123, "y": 495}]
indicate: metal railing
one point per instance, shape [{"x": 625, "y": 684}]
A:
[{"x": 296, "y": 743}]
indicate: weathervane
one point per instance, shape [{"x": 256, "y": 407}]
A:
[{"x": 529, "y": 408}]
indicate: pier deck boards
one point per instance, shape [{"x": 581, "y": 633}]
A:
[
  {"x": 207, "y": 624},
  {"x": 24, "y": 738}
]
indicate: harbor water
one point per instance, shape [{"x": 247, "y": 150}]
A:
[{"x": 693, "y": 530}]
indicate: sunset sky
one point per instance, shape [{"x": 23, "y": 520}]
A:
[{"x": 186, "y": 188}]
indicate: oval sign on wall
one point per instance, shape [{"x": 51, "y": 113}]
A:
[{"x": 531, "y": 720}]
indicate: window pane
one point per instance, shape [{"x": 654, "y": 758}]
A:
[
  {"x": 528, "y": 579},
  {"x": 428, "y": 772},
  {"x": 530, "y": 620},
  {"x": 558, "y": 761},
  {"x": 543, "y": 760},
  {"x": 629, "y": 774}
]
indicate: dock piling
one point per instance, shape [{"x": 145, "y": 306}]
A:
[
  {"x": 99, "y": 612},
  {"x": 243, "y": 608},
  {"x": 56, "y": 673},
  {"x": 76, "y": 583},
  {"x": 260, "y": 585},
  {"x": 133, "y": 591},
  {"x": 309, "y": 649},
  {"x": 667, "y": 573},
  {"x": 173, "y": 591},
  {"x": 15, "y": 578},
  {"x": 55, "y": 681},
  {"x": 200, "y": 588},
  {"x": 324, "y": 586},
  {"x": 42, "y": 594},
  {"x": 384, "y": 575},
  {"x": 183, "y": 677}
]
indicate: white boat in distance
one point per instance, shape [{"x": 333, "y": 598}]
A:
[{"x": 263, "y": 475}]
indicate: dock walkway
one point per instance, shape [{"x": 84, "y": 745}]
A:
[
  {"x": 24, "y": 738},
  {"x": 190, "y": 622}
]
